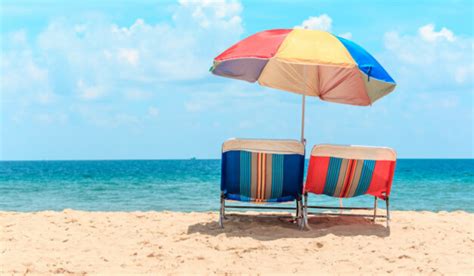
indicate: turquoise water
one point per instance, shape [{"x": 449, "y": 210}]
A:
[{"x": 193, "y": 185}]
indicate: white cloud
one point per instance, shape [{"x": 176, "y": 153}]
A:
[
  {"x": 80, "y": 60},
  {"x": 153, "y": 111},
  {"x": 89, "y": 92},
  {"x": 18, "y": 37},
  {"x": 430, "y": 60},
  {"x": 322, "y": 22},
  {"x": 347, "y": 35},
  {"x": 130, "y": 56},
  {"x": 208, "y": 13},
  {"x": 463, "y": 73},
  {"x": 23, "y": 77},
  {"x": 94, "y": 56},
  {"x": 428, "y": 33}
]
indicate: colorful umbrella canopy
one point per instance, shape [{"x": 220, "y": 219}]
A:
[
  {"x": 307, "y": 62},
  {"x": 314, "y": 63}
]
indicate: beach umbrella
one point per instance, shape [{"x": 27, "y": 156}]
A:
[{"x": 307, "y": 62}]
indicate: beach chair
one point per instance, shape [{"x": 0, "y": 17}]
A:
[
  {"x": 350, "y": 171},
  {"x": 262, "y": 172}
]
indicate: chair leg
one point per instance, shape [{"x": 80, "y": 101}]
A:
[
  {"x": 388, "y": 211},
  {"x": 375, "y": 208},
  {"x": 297, "y": 209},
  {"x": 305, "y": 212},
  {"x": 302, "y": 214},
  {"x": 297, "y": 213},
  {"x": 222, "y": 212}
]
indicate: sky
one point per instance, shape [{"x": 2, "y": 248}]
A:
[{"x": 131, "y": 80}]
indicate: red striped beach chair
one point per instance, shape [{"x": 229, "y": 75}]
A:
[
  {"x": 262, "y": 172},
  {"x": 350, "y": 171}
]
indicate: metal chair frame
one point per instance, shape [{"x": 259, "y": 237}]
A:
[
  {"x": 299, "y": 213},
  {"x": 373, "y": 216}
]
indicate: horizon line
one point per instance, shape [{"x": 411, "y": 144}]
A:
[{"x": 203, "y": 159}]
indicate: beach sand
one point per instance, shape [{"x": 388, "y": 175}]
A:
[{"x": 80, "y": 242}]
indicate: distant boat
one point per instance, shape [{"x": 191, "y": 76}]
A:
[{"x": 193, "y": 158}]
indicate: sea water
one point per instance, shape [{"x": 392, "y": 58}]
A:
[{"x": 194, "y": 185}]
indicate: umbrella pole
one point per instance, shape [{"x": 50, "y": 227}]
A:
[{"x": 303, "y": 103}]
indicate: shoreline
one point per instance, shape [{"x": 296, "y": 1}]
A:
[{"x": 95, "y": 242}]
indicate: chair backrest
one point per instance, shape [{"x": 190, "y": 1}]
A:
[
  {"x": 348, "y": 171},
  {"x": 262, "y": 170}
]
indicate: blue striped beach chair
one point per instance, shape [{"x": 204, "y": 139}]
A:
[{"x": 262, "y": 171}]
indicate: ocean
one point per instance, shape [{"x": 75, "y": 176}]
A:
[{"x": 193, "y": 185}]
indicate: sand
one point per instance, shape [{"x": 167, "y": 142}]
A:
[{"x": 77, "y": 242}]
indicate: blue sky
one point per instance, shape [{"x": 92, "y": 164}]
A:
[{"x": 130, "y": 80}]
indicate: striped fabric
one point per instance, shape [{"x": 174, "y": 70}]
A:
[
  {"x": 261, "y": 177},
  {"x": 342, "y": 177}
]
